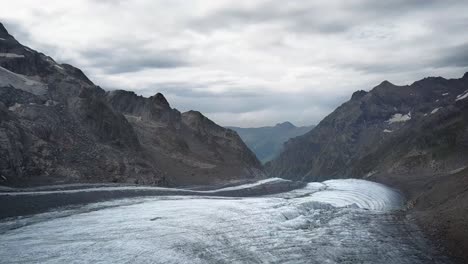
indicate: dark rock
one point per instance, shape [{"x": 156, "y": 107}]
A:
[
  {"x": 358, "y": 95},
  {"x": 56, "y": 126}
]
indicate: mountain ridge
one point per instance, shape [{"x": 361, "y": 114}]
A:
[{"x": 57, "y": 126}]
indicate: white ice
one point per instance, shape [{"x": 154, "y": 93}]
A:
[{"x": 337, "y": 221}]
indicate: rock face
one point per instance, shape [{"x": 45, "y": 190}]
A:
[
  {"x": 190, "y": 147},
  {"x": 420, "y": 128},
  {"x": 267, "y": 142},
  {"x": 411, "y": 137},
  {"x": 56, "y": 126}
]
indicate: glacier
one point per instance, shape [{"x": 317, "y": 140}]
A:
[{"x": 336, "y": 221}]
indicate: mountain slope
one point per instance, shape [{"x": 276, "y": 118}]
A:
[
  {"x": 394, "y": 129},
  {"x": 56, "y": 126},
  {"x": 190, "y": 147},
  {"x": 412, "y": 137},
  {"x": 267, "y": 142}
]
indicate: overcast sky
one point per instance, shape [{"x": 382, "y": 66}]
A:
[{"x": 246, "y": 62}]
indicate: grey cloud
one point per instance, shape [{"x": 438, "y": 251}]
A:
[
  {"x": 196, "y": 96},
  {"x": 387, "y": 8},
  {"x": 115, "y": 60},
  {"x": 274, "y": 102},
  {"x": 295, "y": 15},
  {"x": 309, "y": 16},
  {"x": 453, "y": 57},
  {"x": 200, "y": 90},
  {"x": 382, "y": 68}
]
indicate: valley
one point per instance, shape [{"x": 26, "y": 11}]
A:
[{"x": 176, "y": 158}]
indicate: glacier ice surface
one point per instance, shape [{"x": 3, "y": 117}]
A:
[{"x": 337, "y": 221}]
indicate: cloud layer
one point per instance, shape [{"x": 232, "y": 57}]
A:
[{"x": 249, "y": 63}]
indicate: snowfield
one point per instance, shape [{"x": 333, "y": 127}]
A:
[{"x": 337, "y": 221}]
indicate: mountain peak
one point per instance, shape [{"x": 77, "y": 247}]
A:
[
  {"x": 386, "y": 83},
  {"x": 160, "y": 100},
  {"x": 383, "y": 86},
  {"x": 194, "y": 114},
  {"x": 3, "y": 30},
  {"x": 358, "y": 94},
  {"x": 286, "y": 124}
]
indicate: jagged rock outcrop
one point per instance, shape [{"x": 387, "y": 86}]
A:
[
  {"x": 56, "y": 126},
  {"x": 190, "y": 147}
]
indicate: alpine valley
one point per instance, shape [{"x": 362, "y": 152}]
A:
[{"x": 92, "y": 175}]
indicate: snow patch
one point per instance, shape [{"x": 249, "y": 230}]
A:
[
  {"x": 397, "y": 118},
  {"x": 435, "y": 110},
  {"x": 2, "y": 39},
  {"x": 21, "y": 82},
  {"x": 445, "y": 94},
  {"x": 387, "y": 131},
  {"x": 457, "y": 170},
  {"x": 11, "y": 55},
  {"x": 462, "y": 96},
  {"x": 370, "y": 174},
  {"x": 14, "y": 107}
]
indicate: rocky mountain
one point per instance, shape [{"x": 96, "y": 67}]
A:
[
  {"x": 267, "y": 142},
  {"x": 57, "y": 126},
  {"x": 413, "y": 137},
  {"x": 419, "y": 128}
]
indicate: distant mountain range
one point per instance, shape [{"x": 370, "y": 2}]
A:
[
  {"x": 267, "y": 142},
  {"x": 57, "y": 126},
  {"x": 413, "y": 137}
]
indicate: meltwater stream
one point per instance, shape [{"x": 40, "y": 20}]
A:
[{"x": 338, "y": 221}]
